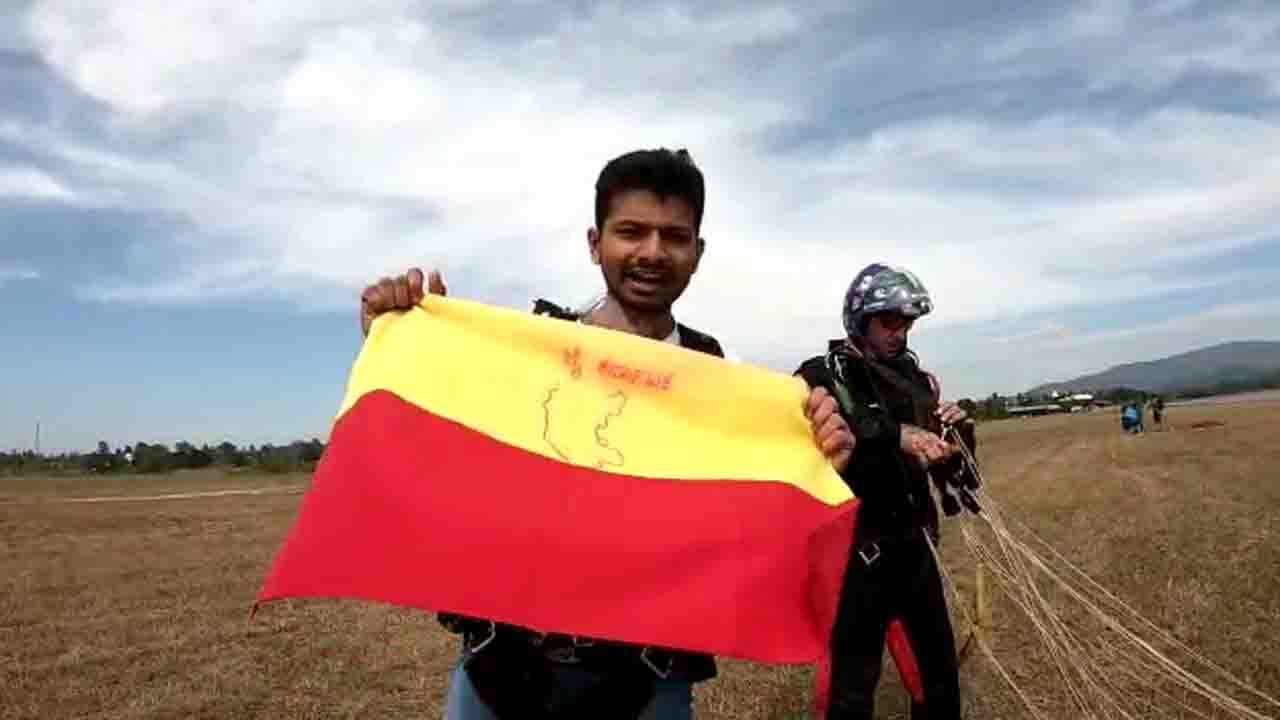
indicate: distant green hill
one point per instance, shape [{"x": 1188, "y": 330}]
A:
[{"x": 1227, "y": 367}]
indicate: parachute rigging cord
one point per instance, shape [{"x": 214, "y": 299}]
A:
[{"x": 1112, "y": 662}]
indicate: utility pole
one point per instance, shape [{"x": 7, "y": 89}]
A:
[{"x": 37, "y": 438}]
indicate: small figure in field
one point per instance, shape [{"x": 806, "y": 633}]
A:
[{"x": 1157, "y": 412}]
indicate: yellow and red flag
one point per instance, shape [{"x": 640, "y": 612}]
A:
[{"x": 572, "y": 479}]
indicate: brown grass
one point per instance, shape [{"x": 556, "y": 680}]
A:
[{"x": 140, "y": 609}]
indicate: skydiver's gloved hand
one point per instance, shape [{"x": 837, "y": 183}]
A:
[
  {"x": 945, "y": 464},
  {"x": 398, "y": 294},
  {"x": 961, "y": 479},
  {"x": 924, "y": 447},
  {"x": 950, "y": 413}
]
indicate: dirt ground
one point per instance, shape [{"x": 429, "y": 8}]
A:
[{"x": 139, "y": 608}]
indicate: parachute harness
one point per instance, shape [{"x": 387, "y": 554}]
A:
[{"x": 1113, "y": 662}]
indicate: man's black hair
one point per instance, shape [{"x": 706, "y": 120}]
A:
[{"x": 665, "y": 173}]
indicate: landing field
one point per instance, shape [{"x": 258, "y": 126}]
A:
[{"x": 135, "y": 604}]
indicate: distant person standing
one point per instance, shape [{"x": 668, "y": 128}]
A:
[
  {"x": 1157, "y": 412},
  {"x": 1131, "y": 417}
]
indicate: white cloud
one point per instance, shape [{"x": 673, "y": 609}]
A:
[
  {"x": 1150, "y": 47},
  {"x": 1221, "y": 323},
  {"x": 146, "y": 59},
  {"x": 310, "y": 148},
  {"x": 1100, "y": 18},
  {"x": 936, "y": 196},
  {"x": 370, "y": 110},
  {"x": 11, "y": 273},
  {"x": 1247, "y": 44},
  {"x": 28, "y": 183},
  {"x": 1054, "y": 351},
  {"x": 1044, "y": 331},
  {"x": 1090, "y": 352}
]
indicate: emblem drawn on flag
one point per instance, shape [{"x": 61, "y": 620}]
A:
[{"x": 578, "y": 413}]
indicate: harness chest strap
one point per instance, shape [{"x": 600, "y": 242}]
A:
[{"x": 566, "y": 649}]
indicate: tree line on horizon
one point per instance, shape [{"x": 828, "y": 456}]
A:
[
  {"x": 302, "y": 455},
  {"x": 997, "y": 406},
  {"x": 298, "y": 456},
  {"x": 153, "y": 458}
]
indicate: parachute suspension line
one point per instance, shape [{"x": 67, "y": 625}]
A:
[
  {"x": 1065, "y": 645},
  {"x": 1101, "y": 670},
  {"x": 1062, "y": 646},
  {"x": 1160, "y": 632},
  {"x": 981, "y": 642}
]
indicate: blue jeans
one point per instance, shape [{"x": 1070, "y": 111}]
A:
[{"x": 674, "y": 700}]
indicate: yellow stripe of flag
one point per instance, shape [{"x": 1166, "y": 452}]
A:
[{"x": 594, "y": 397}]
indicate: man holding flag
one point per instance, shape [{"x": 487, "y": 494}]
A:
[{"x": 646, "y": 240}]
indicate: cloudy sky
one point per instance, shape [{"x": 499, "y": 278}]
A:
[{"x": 193, "y": 193}]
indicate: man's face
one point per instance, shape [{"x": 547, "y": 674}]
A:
[
  {"x": 886, "y": 335},
  {"x": 647, "y": 250}
]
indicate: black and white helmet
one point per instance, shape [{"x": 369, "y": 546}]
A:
[{"x": 883, "y": 289}]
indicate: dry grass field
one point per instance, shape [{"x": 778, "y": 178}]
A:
[{"x": 138, "y": 608}]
